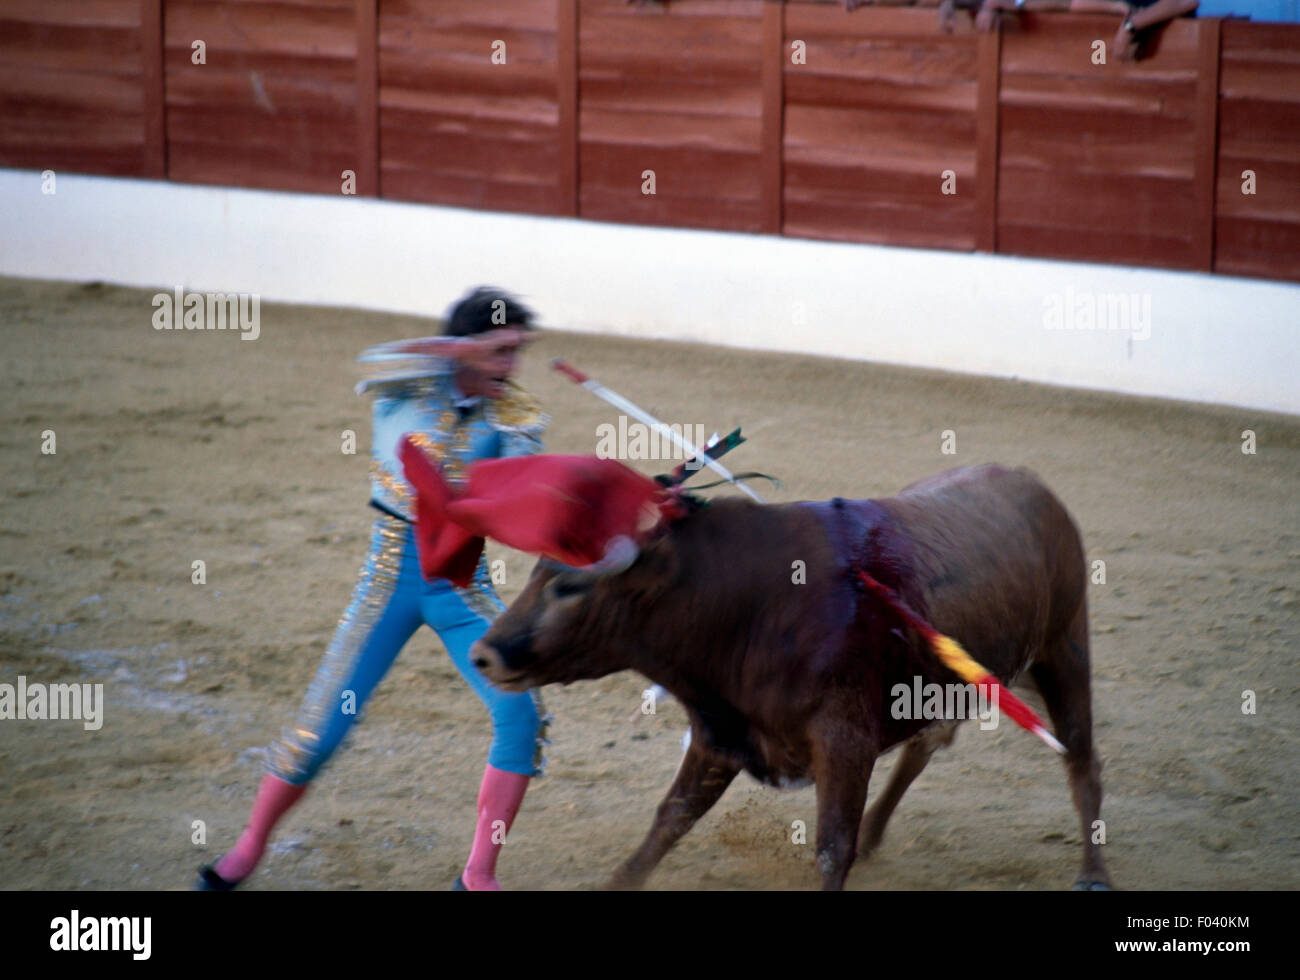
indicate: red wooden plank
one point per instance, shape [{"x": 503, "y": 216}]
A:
[
  {"x": 1257, "y": 247},
  {"x": 468, "y": 192},
  {"x": 522, "y": 15},
  {"x": 1117, "y": 245},
  {"x": 1206, "y": 132},
  {"x": 539, "y": 111},
  {"x": 327, "y": 75},
  {"x": 116, "y": 160},
  {"x": 823, "y": 90},
  {"x": 113, "y": 50},
  {"x": 1079, "y": 202},
  {"x": 75, "y": 13},
  {"x": 1257, "y": 120},
  {"x": 367, "y": 98},
  {"x": 93, "y": 91},
  {"x": 418, "y": 70},
  {"x": 566, "y": 86},
  {"x": 672, "y": 93},
  {"x": 1067, "y": 135},
  {"x": 1277, "y": 190},
  {"x": 883, "y": 223},
  {"x": 616, "y": 9},
  {"x": 257, "y": 131},
  {"x": 682, "y": 171},
  {"x": 262, "y": 90},
  {"x": 1273, "y": 80},
  {"x": 227, "y": 28},
  {"x": 867, "y": 131},
  {"x": 71, "y": 127},
  {"x": 469, "y": 155},
  {"x": 771, "y": 134},
  {"x": 929, "y": 164},
  {"x": 659, "y": 130},
  {"x": 1061, "y": 44},
  {"x": 682, "y": 211},
  {"x": 671, "y": 43},
  {"x": 152, "y": 88},
  {"x": 468, "y": 45},
  {"x": 440, "y": 123},
  {"x": 811, "y": 20},
  {"x": 1101, "y": 97},
  {"x": 1245, "y": 40},
  {"x": 289, "y": 167},
  {"x": 986, "y": 144},
  {"x": 935, "y": 60}
]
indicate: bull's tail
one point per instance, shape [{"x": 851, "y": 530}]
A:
[{"x": 961, "y": 663}]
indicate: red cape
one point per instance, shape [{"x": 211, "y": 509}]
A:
[{"x": 567, "y": 508}]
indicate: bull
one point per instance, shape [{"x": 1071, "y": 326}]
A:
[{"x": 785, "y": 669}]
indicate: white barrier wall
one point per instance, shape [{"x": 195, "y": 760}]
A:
[{"x": 1150, "y": 332}]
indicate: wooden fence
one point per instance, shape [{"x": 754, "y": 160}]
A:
[{"x": 793, "y": 118}]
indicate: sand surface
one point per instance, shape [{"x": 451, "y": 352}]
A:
[{"x": 176, "y": 446}]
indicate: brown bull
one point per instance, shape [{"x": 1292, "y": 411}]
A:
[{"x": 790, "y": 677}]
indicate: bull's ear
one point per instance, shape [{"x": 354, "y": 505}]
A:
[
  {"x": 655, "y": 571},
  {"x": 568, "y": 586}
]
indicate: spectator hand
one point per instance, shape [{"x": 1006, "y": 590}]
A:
[
  {"x": 1125, "y": 45},
  {"x": 987, "y": 18}
]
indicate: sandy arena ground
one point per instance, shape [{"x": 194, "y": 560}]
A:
[{"x": 177, "y": 446}]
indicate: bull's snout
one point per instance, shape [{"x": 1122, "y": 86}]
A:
[
  {"x": 491, "y": 661},
  {"x": 485, "y": 657}
]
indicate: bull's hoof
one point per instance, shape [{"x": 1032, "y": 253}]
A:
[
  {"x": 210, "y": 881},
  {"x": 1086, "y": 884},
  {"x": 867, "y": 847},
  {"x": 622, "y": 883}
]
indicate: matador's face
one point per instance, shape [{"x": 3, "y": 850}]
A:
[{"x": 486, "y": 368}]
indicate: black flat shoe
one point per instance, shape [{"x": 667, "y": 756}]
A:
[
  {"x": 458, "y": 885},
  {"x": 210, "y": 881}
]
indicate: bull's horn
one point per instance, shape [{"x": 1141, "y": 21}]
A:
[{"x": 619, "y": 556}]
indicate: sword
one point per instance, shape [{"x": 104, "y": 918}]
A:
[{"x": 623, "y": 405}]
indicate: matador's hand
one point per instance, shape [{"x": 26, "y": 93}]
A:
[{"x": 452, "y": 348}]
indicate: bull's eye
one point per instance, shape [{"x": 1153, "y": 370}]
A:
[{"x": 566, "y": 586}]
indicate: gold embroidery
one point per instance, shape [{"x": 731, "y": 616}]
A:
[
  {"x": 291, "y": 757},
  {"x": 517, "y": 410},
  {"x": 398, "y": 490}
]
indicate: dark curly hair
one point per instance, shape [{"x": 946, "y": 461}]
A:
[{"x": 487, "y": 308}]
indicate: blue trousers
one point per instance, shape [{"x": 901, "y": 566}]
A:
[{"x": 390, "y": 602}]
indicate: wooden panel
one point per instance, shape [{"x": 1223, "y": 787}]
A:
[
  {"x": 566, "y": 134},
  {"x": 883, "y": 106},
  {"x": 73, "y": 77},
  {"x": 1259, "y": 131},
  {"x": 367, "y": 148},
  {"x": 284, "y": 166},
  {"x": 679, "y": 92},
  {"x": 275, "y": 103},
  {"x": 1206, "y": 133},
  {"x": 773, "y": 110},
  {"x": 804, "y": 20},
  {"x": 1099, "y": 161},
  {"x": 986, "y": 143},
  {"x": 460, "y": 128},
  {"x": 153, "y": 88}
]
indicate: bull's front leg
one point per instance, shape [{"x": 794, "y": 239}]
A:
[
  {"x": 702, "y": 779},
  {"x": 842, "y": 768}
]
